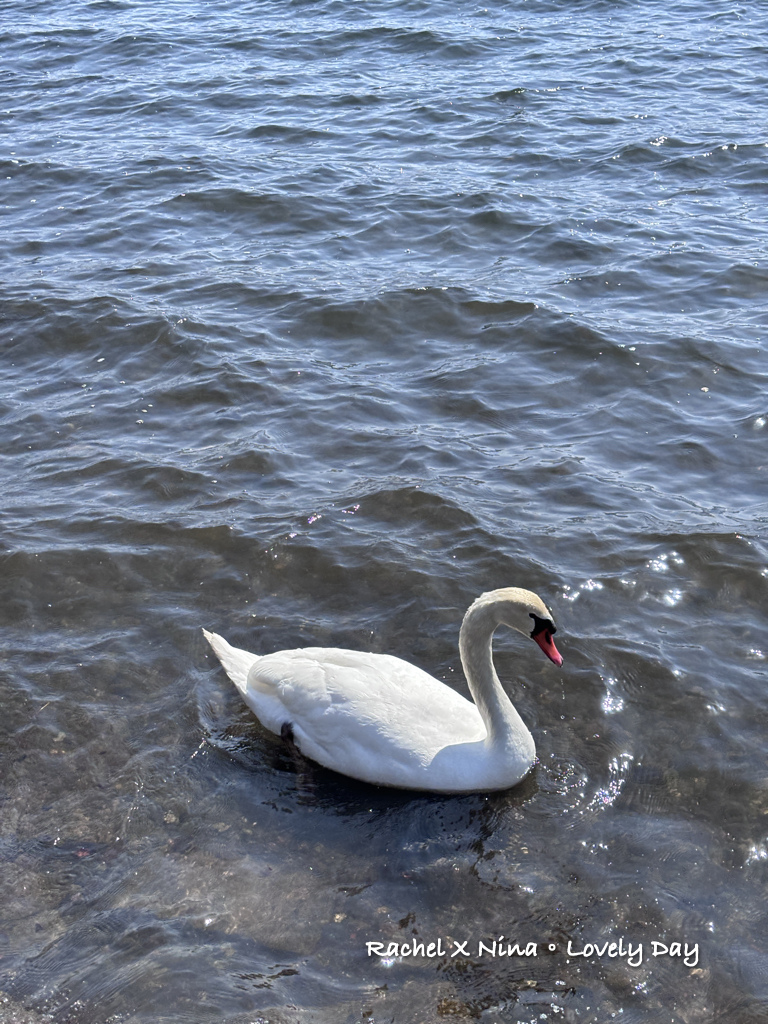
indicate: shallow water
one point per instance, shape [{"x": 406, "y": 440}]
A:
[{"x": 318, "y": 321}]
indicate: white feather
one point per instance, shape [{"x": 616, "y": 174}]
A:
[{"x": 382, "y": 720}]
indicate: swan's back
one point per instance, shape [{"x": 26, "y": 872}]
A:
[
  {"x": 375, "y": 693},
  {"x": 371, "y": 716}
]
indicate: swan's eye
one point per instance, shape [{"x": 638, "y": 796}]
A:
[{"x": 540, "y": 625}]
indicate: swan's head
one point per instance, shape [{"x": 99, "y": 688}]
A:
[{"x": 526, "y": 612}]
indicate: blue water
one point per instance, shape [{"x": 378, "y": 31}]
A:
[{"x": 319, "y": 320}]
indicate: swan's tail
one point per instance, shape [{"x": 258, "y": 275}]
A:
[{"x": 236, "y": 663}]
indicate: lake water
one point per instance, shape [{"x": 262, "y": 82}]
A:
[{"x": 318, "y": 320}]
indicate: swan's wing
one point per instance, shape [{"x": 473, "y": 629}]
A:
[{"x": 371, "y": 716}]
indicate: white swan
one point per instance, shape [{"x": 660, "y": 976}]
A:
[{"x": 379, "y": 719}]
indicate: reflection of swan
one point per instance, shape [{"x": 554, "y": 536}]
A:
[{"x": 381, "y": 720}]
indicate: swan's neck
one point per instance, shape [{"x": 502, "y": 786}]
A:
[{"x": 502, "y": 721}]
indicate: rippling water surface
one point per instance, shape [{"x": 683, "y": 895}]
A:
[{"x": 318, "y": 320}]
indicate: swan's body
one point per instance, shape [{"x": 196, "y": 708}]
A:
[{"x": 379, "y": 719}]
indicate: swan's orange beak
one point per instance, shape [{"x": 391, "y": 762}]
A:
[{"x": 544, "y": 639}]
